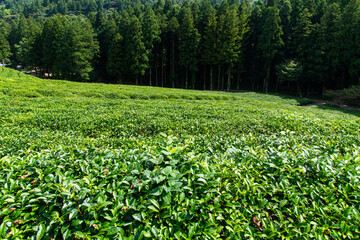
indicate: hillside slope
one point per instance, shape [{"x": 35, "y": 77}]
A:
[
  {"x": 15, "y": 83},
  {"x": 97, "y": 161}
]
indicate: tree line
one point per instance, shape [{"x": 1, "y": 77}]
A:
[{"x": 303, "y": 46}]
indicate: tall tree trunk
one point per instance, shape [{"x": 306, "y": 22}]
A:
[
  {"x": 219, "y": 76},
  {"x": 222, "y": 82},
  {"x": 211, "y": 77},
  {"x": 173, "y": 63},
  {"x": 267, "y": 78},
  {"x": 165, "y": 76},
  {"x": 204, "y": 77},
  {"x": 156, "y": 77},
  {"x": 162, "y": 72},
  {"x": 264, "y": 83},
  {"x": 150, "y": 77},
  {"x": 186, "y": 78},
  {"x": 229, "y": 78},
  {"x": 299, "y": 88},
  {"x": 238, "y": 82},
  {"x": 137, "y": 80}
]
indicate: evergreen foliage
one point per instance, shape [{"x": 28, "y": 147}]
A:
[
  {"x": 207, "y": 44},
  {"x": 188, "y": 43},
  {"x": 270, "y": 41},
  {"x": 4, "y": 49}
]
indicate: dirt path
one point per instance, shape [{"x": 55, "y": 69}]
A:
[{"x": 317, "y": 102}]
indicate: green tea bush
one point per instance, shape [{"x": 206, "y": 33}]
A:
[
  {"x": 173, "y": 165},
  {"x": 24, "y": 93},
  {"x": 175, "y": 190}
]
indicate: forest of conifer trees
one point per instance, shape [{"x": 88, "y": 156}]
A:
[{"x": 301, "y": 46}]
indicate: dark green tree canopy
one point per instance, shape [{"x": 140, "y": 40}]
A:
[{"x": 175, "y": 43}]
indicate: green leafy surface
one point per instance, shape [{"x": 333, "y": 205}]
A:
[{"x": 80, "y": 165}]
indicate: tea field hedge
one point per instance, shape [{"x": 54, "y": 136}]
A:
[{"x": 97, "y": 161}]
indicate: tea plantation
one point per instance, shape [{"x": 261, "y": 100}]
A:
[{"x": 97, "y": 161}]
